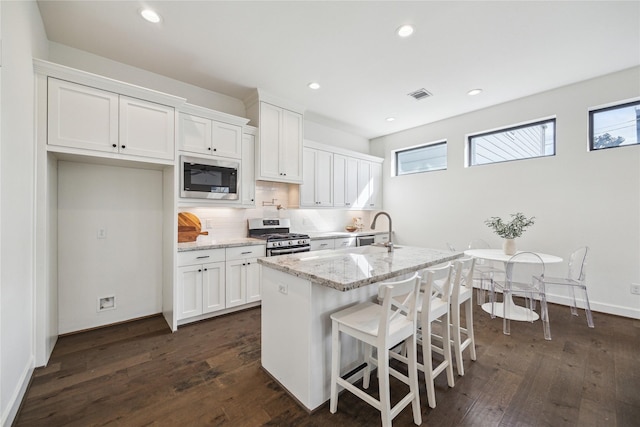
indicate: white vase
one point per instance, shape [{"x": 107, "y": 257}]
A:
[{"x": 509, "y": 246}]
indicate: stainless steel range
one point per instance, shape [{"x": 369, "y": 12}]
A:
[{"x": 279, "y": 240}]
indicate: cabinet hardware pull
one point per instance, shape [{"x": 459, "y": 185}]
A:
[
  {"x": 199, "y": 271},
  {"x": 215, "y": 149},
  {"x": 123, "y": 146},
  {"x": 202, "y": 257},
  {"x": 205, "y": 269},
  {"x": 114, "y": 145},
  {"x": 209, "y": 148},
  {"x": 247, "y": 252}
]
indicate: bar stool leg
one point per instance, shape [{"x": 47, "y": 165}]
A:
[{"x": 335, "y": 365}]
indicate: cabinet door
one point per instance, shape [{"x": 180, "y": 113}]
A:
[
  {"x": 254, "y": 280},
  {"x": 308, "y": 187},
  {"x": 213, "y": 288},
  {"x": 189, "y": 291},
  {"x": 146, "y": 129},
  {"x": 195, "y": 134},
  {"x": 82, "y": 117},
  {"x": 236, "y": 290},
  {"x": 351, "y": 183},
  {"x": 375, "y": 199},
  {"x": 324, "y": 178},
  {"x": 248, "y": 173},
  {"x": 226, "y": 140},
  {"x": 269, "y": 141},
  {"x": 291, "y": 146},
  {"x": 339, "y": 181},
  {"x": 364, "y": 184}
]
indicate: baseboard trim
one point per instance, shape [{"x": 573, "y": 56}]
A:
[{"x": 15, "y": 402}]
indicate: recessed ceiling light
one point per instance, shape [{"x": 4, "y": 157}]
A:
[
  {"x": 314, "y": 85},
  {"x": 405, "y": 31},
  {"x": 390, "y": 119},
  {"x": 473, "y": 92},
  {"x": 150, "y": 15}
]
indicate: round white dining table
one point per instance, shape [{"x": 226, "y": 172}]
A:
[{"x": 516, "y": 312}]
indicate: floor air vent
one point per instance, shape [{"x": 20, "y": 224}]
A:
[{"x": 420, "y": 94}]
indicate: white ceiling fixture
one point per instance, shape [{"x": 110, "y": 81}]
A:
[
  {"x": 390, "y": 119},
  {"x": 314, "y": 85},
  {"x": 150, "y": 15},
  {"x": 405, "y": 31},
  {"x": 474, "y": 92}
]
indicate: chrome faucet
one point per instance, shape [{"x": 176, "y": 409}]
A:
[{"x": 389, "y": 244}]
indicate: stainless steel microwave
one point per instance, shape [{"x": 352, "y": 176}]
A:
[{"x": 208, "y": 178}]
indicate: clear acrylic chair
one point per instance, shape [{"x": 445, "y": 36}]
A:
[
  {"x": 433, "y": 306},
  {"x": 524, "y": 277},
  {"x": 382, "y": 327},
  {"x": 576, "y": 278},
  {"x": 485, "y": 271},
  {"x": 462, "y": 298}
]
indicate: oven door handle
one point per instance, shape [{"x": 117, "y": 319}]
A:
[{"x": 290, "y": 250}]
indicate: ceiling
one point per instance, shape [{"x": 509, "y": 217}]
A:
[{"x": 508, "y": 49}]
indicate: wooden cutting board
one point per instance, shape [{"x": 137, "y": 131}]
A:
[{"x": 189, "y": 227}]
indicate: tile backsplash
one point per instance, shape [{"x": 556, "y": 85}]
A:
[{"x": 223, "y": 223}]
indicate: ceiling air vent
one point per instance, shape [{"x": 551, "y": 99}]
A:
[{"x": 420, "y": 94}]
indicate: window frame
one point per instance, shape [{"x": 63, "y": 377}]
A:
[
  {"x": 414, "y": 148},
  {"x": 551, "y": 119},
  {"x": 609, "y": 107}
]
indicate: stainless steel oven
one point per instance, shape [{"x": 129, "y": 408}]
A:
[{"x": 276, "y": 233}]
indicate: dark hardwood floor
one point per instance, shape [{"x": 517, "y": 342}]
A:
[{"x": 208, "y": 374}]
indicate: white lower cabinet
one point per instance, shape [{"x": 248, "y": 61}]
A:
[
  {"x": 201, "y": 285},
  {"x": 243, "y": 275},
  {"x": 345, "y": 242},
  {"x": 217, "y": 279}
]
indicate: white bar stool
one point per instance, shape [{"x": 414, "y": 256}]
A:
[
  {"x": 462, "y": 295},
  {"x": 383, "y": 327}
]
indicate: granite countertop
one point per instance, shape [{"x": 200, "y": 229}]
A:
[
  {"x": 319, "y": 235},
  {"x": 219, "y": 243},
  {"x": 351, "y": 268}
]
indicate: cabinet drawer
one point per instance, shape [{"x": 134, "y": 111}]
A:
[
  {"x": 318, "y": 245},
  {"x": 242, "y": 252},
  {"x": 345, "y": 242},
  {"x": 200, "y": 257}
]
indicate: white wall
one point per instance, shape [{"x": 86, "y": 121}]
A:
[
  {"x": 325, "y": 133},
  {"x": 85, "y": 61},
  {"x": 127, "y": 204},
  {"x": 578, "y": 197},
  {"x": 22, "y": 36}
]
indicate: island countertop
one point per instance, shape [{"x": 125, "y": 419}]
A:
[{"x": 351, "y": 268}]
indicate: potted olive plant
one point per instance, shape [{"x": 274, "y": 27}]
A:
[{"x": 510, "y": 230}]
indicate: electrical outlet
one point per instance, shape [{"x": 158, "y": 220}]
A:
[
  {"x": 635, "y": 289},
  {"x": 209, "y": 223},
  {"x": 283, "y": 289},
  {"x": 102, "y": 233}
]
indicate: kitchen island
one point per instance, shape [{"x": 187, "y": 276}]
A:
[{"x": 299, "y": 293}]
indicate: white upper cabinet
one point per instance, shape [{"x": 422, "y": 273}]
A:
[
  {"x": 248, "y": 189},
  {"x": 206, "y": 136},
  {"x": 279, "y": 142},
  {"x": 318, "y": 179},
  {"x": 86, "y": 118},
  {"x": 146, "y": 128},
  {"x": 375, "y": 199},
  {"x": 82, "y": 117},
  {"x": 345, "y": 181}
]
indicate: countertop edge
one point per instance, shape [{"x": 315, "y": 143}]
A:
[
  {"x": 357, "y": 284},
  {"x": 230, "y": 243}
]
